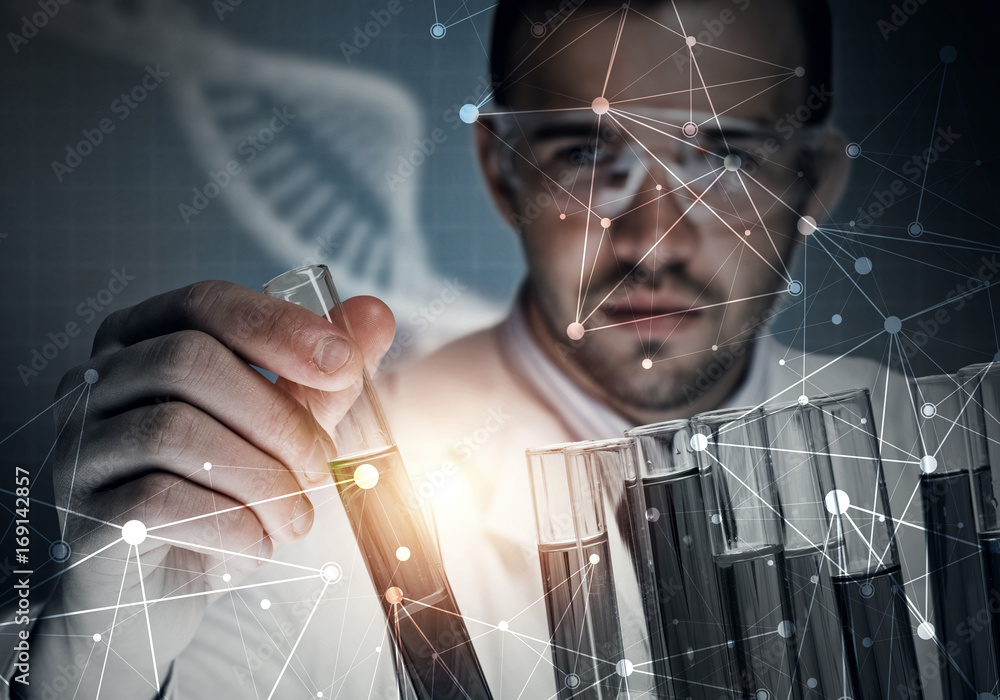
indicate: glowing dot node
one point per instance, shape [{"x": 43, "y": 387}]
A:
[
  {"x": 60, "y": 551},
  {"x": 562, "y": 217},
  {"x": 863, "y": 266},
  {"x": 538, "y": 30},
  {"x": 915, "y": 229},
  {"x": 690, "y": 129},
  {"x": 605, "y": 222},
  {"x": 786, "y": 628},
  {"x": 800, "y": 71},
  {"x": 699, "y": 442},
  {"x": 814, "y": 579},
  {"x": 469, "y": 113},
  {"x": 691, "y": 41},
  {"x": 837, "y": 319},
  {"x": 207, "y": 466},
  {"x": 851, "y": 223},
  {"x": 837, "y": 502},
  {"x": 595, "y": 559},
  {"x": 715, "y": 348},
  {"x": 572, "y": 680},
  {"x": 97, "y": 636},
  {"x": 812, "y": 682},
  {"x": 394, "y": 595},
  {"x": 853, "y": 151},
  {"x": 795, "y": 288},
  {"x": 378, "y": 650},
  {"x": 331, "y": 572},
  {"x": 928, "y": 464},
  {"x": 732, "y": 162},
  {"x": 928, "y": 410},
  {"x": 867, "y": 642},
  {"x": 503, "y": 626},
  {"x": 716, "y": 519},
  {"x": 624, "y": 668},
  {"x": 803, "y": 400},
  {"x": 575, "y": 331},
  {"x": 781, "y": 363},
  {"x": 925, "y": 630},
  {"x": 134, "y": 532},
  {"x": 600, "y": 105},
  {"x": 659, "y": 188},
  {"x": 762, "y": 694},
  {"x": 652, "y": 514},
  {"x": 893, "y": 325},
  {"x": 366, "y": 476},
  {"x": 647, "y": 363},
  {"x": 91, "y": 376},
  {"x": 867, "y": 590},
  {"x": 227, "y": 577},
  {"x": 265, "y": 604},
  {"x": 438, "y": 30},
  {"x": 807, "y": 225},
  {"x": 747, "y": 232},
  {"x": 403, "y": 553}
]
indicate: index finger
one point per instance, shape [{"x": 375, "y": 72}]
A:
[{"x": 286, "y": 339}]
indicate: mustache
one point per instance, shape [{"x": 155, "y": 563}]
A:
[{"x": 664, "y": 283}]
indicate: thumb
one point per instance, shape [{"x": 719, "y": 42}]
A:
[{"x": 373, "y": 328}]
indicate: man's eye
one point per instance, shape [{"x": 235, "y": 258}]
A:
[{"x": 581, "y": 154}]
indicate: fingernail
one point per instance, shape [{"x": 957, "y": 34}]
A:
[
  {"x": 265, "y": 549},
  {"x": 302, "y": 517},
  {"x": 317, "y": 467},
  {"x": 332, "y": 355}
]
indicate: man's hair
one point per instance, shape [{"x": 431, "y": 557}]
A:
[{"x": 512, "y": 15}]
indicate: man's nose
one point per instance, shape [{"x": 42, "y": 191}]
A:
[{"x": 658, "y": 227}]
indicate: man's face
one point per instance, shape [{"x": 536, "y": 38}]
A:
[{"x": 637, "y": 226}]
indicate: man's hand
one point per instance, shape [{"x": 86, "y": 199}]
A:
[{"x": 176, "y": 393}]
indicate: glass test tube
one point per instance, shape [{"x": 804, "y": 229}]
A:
[
  {"x": 746, "y": 540},
  {"x": 982, "y": 382},
  {"x": 575, "y": 557},
  {"x": 953, "y": 445},
  {"x": 803, "y": 475},
  {"x": 866, "y": 575},
  {"x": 425, "y": 624},
  {"x": 628, "y": 547},
  {"x": 689, "y": 615}
]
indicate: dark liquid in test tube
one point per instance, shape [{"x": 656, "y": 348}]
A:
[
  {"x": 990, "y": 544},
  {"x": 583, "y": 619},
  {"x": 879, "y": 641},
  {"x": 957, "y": 582},
  {"x": 687, "y": 585},
  {"x": 759, "y": 617},
  {"x": 424, "y": 620},
  {"x": 818, "y": 654}
]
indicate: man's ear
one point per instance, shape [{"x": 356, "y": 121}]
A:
[
  {"x": 826, "y": 171},
  {"x": 488, "y": 153}
]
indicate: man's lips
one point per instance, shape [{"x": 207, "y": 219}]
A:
[{"x": 656, "y": 315}]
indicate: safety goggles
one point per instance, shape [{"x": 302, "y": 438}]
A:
[{"x": 600, "y": 163}]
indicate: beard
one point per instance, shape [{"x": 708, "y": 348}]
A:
[{"x": 683, "y": 369}]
